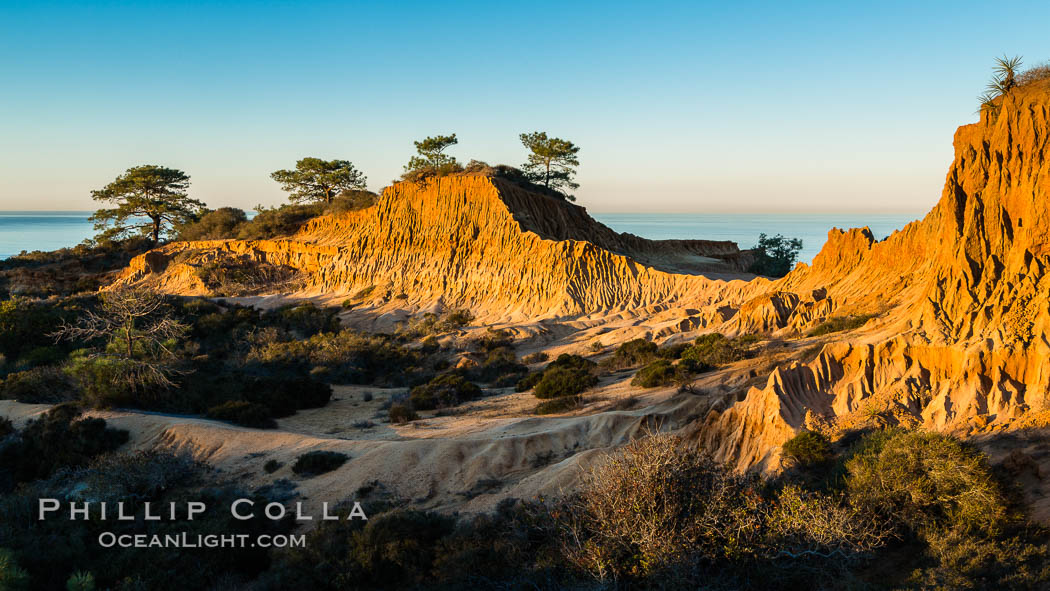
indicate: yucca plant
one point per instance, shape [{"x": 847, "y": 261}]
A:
[
  {"x": 987, "y": 102},
  {"x": 81, "y": 581},
  {"x": 1004, "y": 74}
]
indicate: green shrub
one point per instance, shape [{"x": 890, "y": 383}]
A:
[
  {"x": 927, "y": 481},
  {"x": 318, "y": 462},
  {"x": 672, "y": 351},
  {"x": 493, "y": 340},
  {"x": 6, "y": 427},
  {"x": 52, "y": 549},
  {"x": 399, "y": 549},
  {"x": 109, "y": 381},
  {"x": 12, "y": 578},
  {"x": 81, "y": 581},
  {"x": 58, "y": 439},
  {"x": 807, "y": 448},
  {"x": 217, "y": 224},
  {"x": 500, "y": 368},
  {"x": 283, "y": 394},
  {"x": 568, "y": 361},
  {"x": 272, "y": 466},
  {"x": 558, "y": 405},
  {"x": 432, "y": 324},
  {"x": 839, "y": 324},
  {"x": 660, "y": 373},
  {"x": 354, "y": 200},
  {"x": 537, "y": 357},
  {"x": 25, "y": 325},
  {"x": 349, "y": 357},
  {"x": 714, "y": 349},
  {"x": 40, "y": 385},
  {"x": 304, "y": 320},
  {"x": 775, "y": 255},
  {"x": 443, "y": 391},
  {"x": 278, "y": 221},
  {"x": 561, "y": 381},
  {"x": 633, "y": 353},
  {"x": 401, "y": 413},
  {"x": 1019, "y": 562},
  {"x": 575, "y": 364},
  {"x": 528, "y": 382},
  {"x": 243, "y": 413}
]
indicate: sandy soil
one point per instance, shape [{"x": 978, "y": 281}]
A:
[{"x": 467, "y": 460}]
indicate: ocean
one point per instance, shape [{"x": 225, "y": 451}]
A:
[
  {"x": 50, "y": 230},
  {"x": 42, "y": 230},
  {"x": 744, "y": 228}
]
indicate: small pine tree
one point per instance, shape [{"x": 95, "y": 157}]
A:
[
  {"x": 150, "y": 200},
  {"x": 775, "y": 255},
  {"x": 81, "y": 581},
  {"x": 552, "y": 162}
]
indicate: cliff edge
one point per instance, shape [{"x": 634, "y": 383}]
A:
[{"x": 961, "y": 303}]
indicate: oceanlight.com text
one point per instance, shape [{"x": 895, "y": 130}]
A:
[{"x": 186, "y": 540}]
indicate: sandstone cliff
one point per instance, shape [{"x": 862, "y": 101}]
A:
[
  {"x": 475, "y": 242},
  {"x": 963, "y": 298}
]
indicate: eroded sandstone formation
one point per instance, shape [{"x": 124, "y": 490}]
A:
[
  {"x": 474, "y": 242},
  {"x": 960, "y": 300}
]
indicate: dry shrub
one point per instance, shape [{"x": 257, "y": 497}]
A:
[
  {"x": 242, "y": 276},
  {"x": 657, "y": 511},
  {"x": 927, "y": 481},
  {"x": 1034, "y": 74}
]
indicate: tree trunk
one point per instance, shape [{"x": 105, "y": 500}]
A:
[
  {"x": 547, "y": 178},
  {"x": 131, "y": 343},
  {"x": 155, "y": 233}
]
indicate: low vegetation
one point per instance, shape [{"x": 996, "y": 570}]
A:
[
  {"x": 895, "y": 509},
  {"x": 318, "y": 462},
  {"x": 1006, "y": 76},
  {"x": 715, "y": 350},
  {"x": 499, "y": 367},
  {"x": 61, "y": 438},
  {"x": 443, "y": 391},
  {"x": 80, "y": 269},
  {"x": 232, "y": 363},
  {"x": 243, "y": 413},
  {"x": 50, "y": 554},
  {"x": 269, "y": 222},
  {"x": 807, "y": 449},
  {"x": 401, "y": 413},
  {"x": 558, "y": 405},
  {"x": 661, "y": 372},
  {"x": 656, "y": 514},
  {"x": 430, "y": 324},
  {"x": 564, "y": 381},
  {"x": 839, "y": 324},
  {"x": 243, "y": 276},
  {"x": 631, "y": 354}
]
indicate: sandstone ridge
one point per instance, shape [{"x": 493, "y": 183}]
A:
[{"x": 471, "y": 241}]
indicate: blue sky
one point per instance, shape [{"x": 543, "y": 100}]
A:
[{"x": 682, "y": 106}]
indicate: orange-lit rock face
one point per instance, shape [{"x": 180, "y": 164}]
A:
[
  {"x": 963, "y": 303},
  {"x": 474, "y": 242},
  {"x": 962, "y": 343}
]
